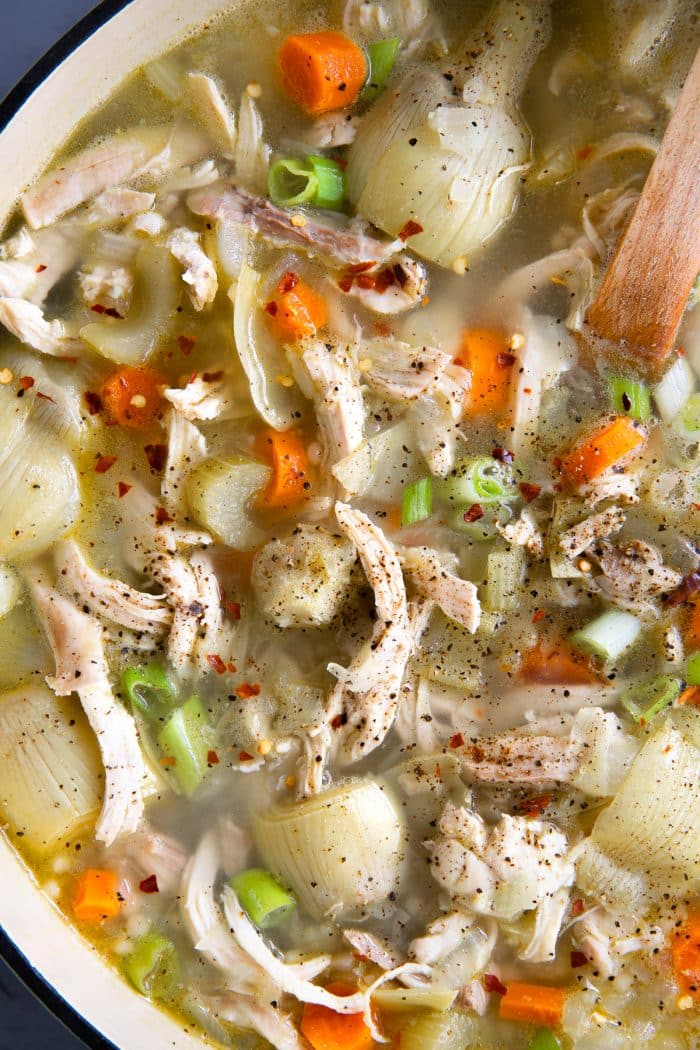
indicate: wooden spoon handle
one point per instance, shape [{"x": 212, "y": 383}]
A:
[{"x": 641, "y": 300}]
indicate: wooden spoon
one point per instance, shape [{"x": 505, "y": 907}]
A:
[{"x": 644, "y": 292}]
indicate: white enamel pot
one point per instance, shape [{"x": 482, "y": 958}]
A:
[{"x": 79, "y": 73}]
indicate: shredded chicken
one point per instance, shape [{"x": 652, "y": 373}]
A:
[
  {"x": 616, "y": 485},
  {"x": 212, "y": 109},
  {"x": 200, "y": 271},
  {"x": 400, "y": 371},
  {"x": 247, "y": 1011},
  {"x": 108, "y": 598},
  {"x": 216, "y": 636},
  {"x": 632, "y": 573},
  {"x": 205, "y": 397},
  {"x": 339, "y": 243},
  {"x": 457, "y": 598},
  {"x": 328, "y": 376},
  {"x": 332, "y": 130},
  {"x": 578, "y": 538},
  {"x": 435, "y": 417},
  {"x": 369, "y": 689},
  {"x": 186, "y": 450},
  {"x": 520, "y": 760},
  {"x": 390, "y": 289},
  {"x": 377, "y": 949},
  {"x": 110, "y": 287},
  {"x": 606, "y": 939},
  {"x": 155, "y": 853},
  {"x": 118, "y": 204},
  {"x": 26, "y": 322},
  {"x": 81, "y": 666},
  {"x": 442, "y": 936},
  {"x": 525, "y": 532}
]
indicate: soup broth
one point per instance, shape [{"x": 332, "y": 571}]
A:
[{"x": 349, "y": 618}]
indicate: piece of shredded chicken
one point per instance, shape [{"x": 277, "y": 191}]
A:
[
  {"x": 328, "y": 376},
  {"x": 199, "y": 270},
  {"x": 399, "y": 371},
  {"x": 427, "y": 572},
  {"x": 26, "y": 322}
]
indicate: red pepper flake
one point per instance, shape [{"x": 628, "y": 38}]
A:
[
  {"x": 367, "y": 281},
  {"x": 186, "y": 344},
  {"x": 216, "y": 663},
  {"x": 149, "y": 885},
  {"x": 245, "y": 756},
  {"x": 409, "y": 229},
  {"x": 93, "y": 402},
  {"x": 584, "y": 153},
  {"x": 212, "y": 758},
  {"x": 529, "y": 492},
  {"x": 475, "y": 512},
  {"x": 271, "y": 308},
  {"x": 40, "y": 268},
  {"x": 289, "y": 281},
  {"x": 45, "y": 397},
  {"x": 494, "y": 984},
  {"x": 157, "y": 456},
  {"x": 104, "y": 463},
  {"x": 97, "y": 308},
  {"x": 535, "y": 807},
  {"x": 111, "y": 312},
  {"x": 167, "y": 761},
  {"x": 578, "y": 907},
  {"x": 26, "y": 382},
  {"x": 233, "y": 609},
  {"x": 359, "y": 957},
  {"x": 539, "y": 614},
  {"x": 123, "y": 488},
  {"x": 345, "y": 283},
  {"x": 456, "y": 741},
  {"x": 162, "y": 516},
  {"x": 505, "y": 360},
  {"x": 385, "y": 279},
  {"x": 339, "y": 720},
  {"x": 231, "y": 667},
  {"x": 245, "y": 691},
  {"x": 361, "y": 267},
  {"x": 212, "y": 377},
  {"x": 688, "y": 586},
  {"x": 459, "y": 361},
  {"x": 502, "y": 455},
  {"x": 578, "y": 959}
]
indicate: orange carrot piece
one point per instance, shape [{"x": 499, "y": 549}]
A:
[
  {"x": 692, "y": 633},
  {"x": 602, "y": 450},
  {"x": 296, "y": 311},
  {"x": 326, "y": 1030},
  {"x": 539, "y": 1004},
  {"x": 690, "y": 695},
  {"x": 96, "y": 897},
  {"x": 321, "y": 71},
  {"x": 485, "y": 353},
  {"x": 556, "y": 663},
  {"x": 132, "y": 396},
  {"x": 290, "y": 468},
  {"x": 685, "y": 952}
]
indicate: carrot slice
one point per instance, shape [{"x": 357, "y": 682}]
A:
[
  {"x": 327, "y": 1030},
  {"x": 685, "y": 952},
  {"x": 556, "y": 663},
  {"x": 690, "y": 695},
  {"x": 132, "y": 396},
  {"x": 96, "y": 897},
  {"x": 692, "y": 633},
  {"x": 538, "y": 1004},
  {"x": 296, "y": 311},
  {"x": 602, "y": 450},
  {"x": 290, "y": 468},
  {"x": 321, "y": 71},
  {"x": 485, "y": 353}
]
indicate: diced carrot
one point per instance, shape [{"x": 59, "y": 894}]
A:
[
  {"x": 321, "y": 71},
  {"x": 484, "y": 352},
  {"x": 132, "y": 396},
  {"x": 96, "y": 897},
  {"x": 290, "y": 468},
  {"x": 539, "y": 1004},
  {"x": 685, "y": 952},
  {"x": 603, "y": 449},
  {"x": 692, "y": 632},
  {"x": 556, "y": 663},
  {"x": 690, "y": 695},
  {"x": 296, "y": 312},
  {"x": 327, "y": 1030}
]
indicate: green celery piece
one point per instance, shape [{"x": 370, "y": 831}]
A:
[
  {"x": 479, "y": 479},
  {"x": 692, "y": 673},
  {"x": 644, "y": 702},
  {"x": 544, "y": 1039},
  {"x": 609, "y": 635},
  {"x": 149, "y": 689},
  {"x": 153, "y": 967},
  {"x": 630, "y": 397},
  {"x": 291, "y": 182},
  {"x": 330, "y": 183},
  {"x": 417, "y": 502},
  {"x": 187, "y": 737},
  {"x": 381, "y": 58},
  {"x": 261, "y": 896}
]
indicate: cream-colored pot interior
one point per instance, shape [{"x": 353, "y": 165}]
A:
[{"x": 143, "y": 29}]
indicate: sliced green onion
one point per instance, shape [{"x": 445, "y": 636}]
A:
[
  {"x": 480, "y": 479},
  {"x": 609, "y": 635},
  {"x": 687, "y": 422},
  {"x": 149, "y": 689},
  {"x": 381, "y": 58},
  {"x": 291, "y": 182},
  {"x": 630, "y": 397},
  {"x": 692, "y": 674},
  {"x": 673, "y": 391},
  {"x": 330, "y": 182},
  {"x": 417, "y": 502},
  {"x": 265, "y": 901},
  {"x": 187, "y": 738},
  {"x": 504, "y": 577},
  {"x": 644, "y": 702},
  {"x": 152, "y": 967},
  {"x": 544, "y": 1039}
]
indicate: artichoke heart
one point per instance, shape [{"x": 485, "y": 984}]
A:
[{"x": 339, "y": 850}]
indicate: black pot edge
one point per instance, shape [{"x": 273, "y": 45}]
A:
[{"x": 9, "y": 106}]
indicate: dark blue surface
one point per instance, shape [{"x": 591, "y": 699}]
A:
[{"x": 30, "y": 27}]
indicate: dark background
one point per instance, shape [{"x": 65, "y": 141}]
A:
[{"x": 29, "y": 28}]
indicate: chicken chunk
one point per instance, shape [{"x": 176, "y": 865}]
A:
[
  {"x": 200, "y": 272},
  {"x": 26, "y": 322}
]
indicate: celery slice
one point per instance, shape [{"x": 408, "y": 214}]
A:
[
  {"x": 417, "y": 502},
  {"x": 609, "y": 635},
  {"x": 644, "y": 702},
  {"x": 149, "y": 689},
  {"x": 187, "y": 737},
  {"x": 630, "y": 397},
  {"x": 262, "y": 897},
  {"x": 153, "y": 967},
  {"x": 692, "y": 673}
]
